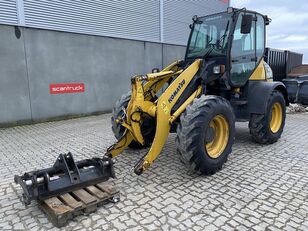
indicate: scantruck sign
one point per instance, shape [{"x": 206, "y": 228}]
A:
[{"x": 62, "y": 88}]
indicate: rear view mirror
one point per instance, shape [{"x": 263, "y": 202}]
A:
[{"x": 246, "y": 24}]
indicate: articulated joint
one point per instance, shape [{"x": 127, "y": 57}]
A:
[{"x": 138, "y": 78}]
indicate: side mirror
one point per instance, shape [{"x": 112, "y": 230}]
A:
[
  {"x": 267, "y": 20},
  {"x": 246, "y": 24},
  {"x": 190, "y": 26},
  {"x": 195, "y": 18}
]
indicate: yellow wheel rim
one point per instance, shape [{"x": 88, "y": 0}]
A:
[
  {"x": 276, "y": 117},
  {"x": 221, "y": 136}
]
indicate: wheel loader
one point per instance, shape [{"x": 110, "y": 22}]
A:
[{"x": 222, "y": 79}]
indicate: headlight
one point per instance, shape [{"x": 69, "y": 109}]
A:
[
  {"x": 268, "y": 71},
  {"x": 216, "y": 69},
  {"x": 219, "y": 69}
]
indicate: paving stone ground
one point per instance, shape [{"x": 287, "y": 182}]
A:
[{"x": 259, "y": 188}]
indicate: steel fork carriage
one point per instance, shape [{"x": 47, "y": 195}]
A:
[{"x": 65, "y": 176}]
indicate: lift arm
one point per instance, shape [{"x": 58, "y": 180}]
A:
[{"x": 141, "y": 102}]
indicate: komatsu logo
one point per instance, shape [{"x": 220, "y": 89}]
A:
[{"x": 181, "y": 84}]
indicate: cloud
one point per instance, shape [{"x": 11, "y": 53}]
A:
[
  {"x": 276, "y": 37},
  {"x": 295, "y": 38}
]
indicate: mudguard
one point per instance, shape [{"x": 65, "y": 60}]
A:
[{"x": 260, "y": 91}]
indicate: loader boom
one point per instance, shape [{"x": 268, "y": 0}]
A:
[{"x": 160, "y": 109}]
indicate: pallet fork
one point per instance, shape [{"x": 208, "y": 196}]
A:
[{"x": 65, "y": 176}]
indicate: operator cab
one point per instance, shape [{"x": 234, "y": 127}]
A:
[{"x": 232, "y": 43}]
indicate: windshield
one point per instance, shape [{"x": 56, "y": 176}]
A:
[{"x": 210, "y": 36}]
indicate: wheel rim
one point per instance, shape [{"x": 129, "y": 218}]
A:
[
  {"x": 216, "y": 146},
  {"x": 276, "y": 117}
]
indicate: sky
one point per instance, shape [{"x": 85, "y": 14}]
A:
[{"x": 289, "y": 27}]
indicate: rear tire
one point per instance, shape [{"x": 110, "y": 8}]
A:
[
  {"x": 205, "y": 134},
  {"x": 117, "y": 112},
  {"x": 267, "y": 128}
]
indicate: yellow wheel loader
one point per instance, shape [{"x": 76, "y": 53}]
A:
[{"x": 222, "y": 79}]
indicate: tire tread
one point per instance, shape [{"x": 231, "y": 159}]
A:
[
  {"x": 258, "y": 125},
  {"x": 189, "y": 128}
]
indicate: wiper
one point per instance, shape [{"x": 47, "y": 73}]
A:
[
  {"x": 196, "y": 38},
  {"x": 208, "y": 53},
  {"x": 224, "y": 35},
  {"x": 210, "y": 50}
]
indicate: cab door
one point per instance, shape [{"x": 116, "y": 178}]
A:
[{"x": 243, "y": 53}]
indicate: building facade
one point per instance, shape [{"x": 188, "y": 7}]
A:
[{"x": 93, "y": 47}]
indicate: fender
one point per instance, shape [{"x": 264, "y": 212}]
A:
[{"x": 260, "y": 91}]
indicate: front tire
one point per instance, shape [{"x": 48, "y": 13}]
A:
[
  {"x": 147, "y": 128},
  {"x": 205, "y": 134},
  {"x": 117, "y": 112},
  {"x": 267, "y": 128}
]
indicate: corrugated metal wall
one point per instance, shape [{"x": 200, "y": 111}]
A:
[
  {"x": 133, "y": 19},
  {"x": 149, "y": 20},
  {"x": 8, "y": 12},
  {"x": 178, "y": 15}
]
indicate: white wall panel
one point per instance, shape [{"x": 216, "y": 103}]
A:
[
  {"x": 133, "y": 19},
  {"x": 178, "y": 14},
  {"x": 8, "y": 12},
  {"x": 150, "y": 20}
]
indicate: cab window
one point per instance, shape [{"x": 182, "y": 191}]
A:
[
  {"x": 260, "y": 33},
  {"x": 243, "y": 54}
]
